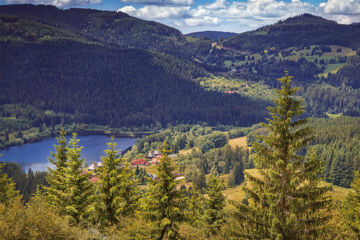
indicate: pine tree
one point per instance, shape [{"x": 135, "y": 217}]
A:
[
  {"x": 351, "y": 208},
  {"x": 200, "y": 181},
  {"x": 236, "y": 175},
  {"x": 195, "y": 208},
  {"x": 116, "y": 187},
  {"x": 79, "y": 189},
  {"x": 286, "y": 201},
  {"x": 56, "y": 177},
  {"x": 7, "y": 188},
  {"x": 214, "y": 206},
  {"x": 163, "y": 206}
]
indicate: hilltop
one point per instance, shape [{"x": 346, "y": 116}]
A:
[
  {"x": 213, "y": 35},
  {"x": 297, "y": 31},
  {"x": 112, "y": 28}
]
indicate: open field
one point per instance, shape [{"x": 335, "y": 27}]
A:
[
  {"x": 238, "y": 142},
  {"x": 237, "y": 193}
]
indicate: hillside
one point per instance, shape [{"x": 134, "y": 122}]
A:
[
  {"x": 114, "y": 28},
  {"x": 303, "y": 30},
  {"x": 60, "y": 71},
  {"x": 213, "y": 35}
]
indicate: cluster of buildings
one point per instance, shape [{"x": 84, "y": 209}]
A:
[
  {"x": 152, "y": 158},
  {"x": 93, "y": 168}
]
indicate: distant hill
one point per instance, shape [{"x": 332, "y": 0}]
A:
[
  {"x": 56, "y": 67},
  {"x": 303, "y": 30},
  {"x": 115, "y": 28},
  {"x": 213, "y": 35}
]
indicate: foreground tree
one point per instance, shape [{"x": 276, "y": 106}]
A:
[
  {"x": 285, "y": 201},
  {"x": 164, "y": 204},
  {"x": 214, "y": 206},
  {"x": 351, "y": 208},
  {"x": 56, "y": 177},
  {"x": 236, "y": 175},
  {"x": 79, "y": 190},
  {"x": 7, "y": 188},
  {"x": 116, "y": 187}
]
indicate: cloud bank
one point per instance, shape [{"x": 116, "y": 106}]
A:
[
  {"x": 58, "y": 3},
  {"x": 245, "y": 15}
]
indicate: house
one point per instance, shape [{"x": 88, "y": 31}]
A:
[
  {"x": 156, "y": 160},
  {"x": 139, "y": 162},
  {"x": 153, "y": 154},
  {"x": 94, "y": 179},
  {"x": 94, "y": 166}
]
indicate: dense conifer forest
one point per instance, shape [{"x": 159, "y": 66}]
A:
[
  {"x": 228, "y": 146},
  {"x": 284, "y": 195}
]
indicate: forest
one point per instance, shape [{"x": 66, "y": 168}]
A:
[
  {"x": 229, "y": 147},
  {"x": 283, "y": 192}
]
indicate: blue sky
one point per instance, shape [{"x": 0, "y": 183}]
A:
[{"x": 219, "y": 15}]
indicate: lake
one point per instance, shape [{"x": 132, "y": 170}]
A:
[{"x": 35, "y": 155}]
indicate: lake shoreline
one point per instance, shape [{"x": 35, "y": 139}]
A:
[
  {"x": 82, "y": 132},
  {"x": 35, "y": 155}
]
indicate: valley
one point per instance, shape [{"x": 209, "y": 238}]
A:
[{"x": 252, "y": 135}]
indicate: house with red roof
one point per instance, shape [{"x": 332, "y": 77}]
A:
[{"x": 139, "y": 162}]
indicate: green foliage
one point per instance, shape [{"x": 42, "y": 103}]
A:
[
  {"x": 36, "y": 220},
  {"x": 351, "y": 208},
  {"x": 120, "y": 73},
  {"x": 214, "y": 206},
  {"x": 337, "y": 143},
  {"x": 56, "y": 178},
  {"x": 104, "y": 27},
  {"x": 163, "y": 205},
  {"x": 308, "y": 28},
  {"x": 286, "y": 202},
  {"x": 195, "y": 208},
  {"x": 236, "y": 175},
  {"x": 116, "y": 188},
  {"x": 7, "y": 188},
  {"x": 78, "y": 192}
]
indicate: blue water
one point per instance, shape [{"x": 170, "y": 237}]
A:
[{"x": 35, "y": 155}]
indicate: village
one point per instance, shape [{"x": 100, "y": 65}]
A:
[{"x": 152, "y": 159}]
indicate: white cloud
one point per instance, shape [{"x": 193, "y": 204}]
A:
[
  {"x": 58, "y": 3},
  {"x": 239, "y": 16},
  {"x": 206, "y": 20},
  {"x": 218, "y": 4},
  {"x": 156, "y": 12},
  {"x": 161, "y": 2},
  {"x": 343, "y": 7}
]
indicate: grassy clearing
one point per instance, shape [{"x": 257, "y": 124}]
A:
[
  {"x": 331, "y": 68},
  {"x": 331, "y": 115},
  {"x": 237, "y": 193},
  {"x": 344, "y": 51},
  {"x": 238, "y": 142}
]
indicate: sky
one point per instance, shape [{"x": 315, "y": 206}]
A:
[{"x": 217, "y": 15}]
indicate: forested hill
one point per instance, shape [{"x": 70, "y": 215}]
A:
[
  {"x": 303, "y": 30},
  {"x": 54, "y": 68},
  {"x": 213, "y": 35},
  {"x": 115, "y": 28}
]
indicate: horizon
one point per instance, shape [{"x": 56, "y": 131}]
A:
[{"x": 219, "y": 15}]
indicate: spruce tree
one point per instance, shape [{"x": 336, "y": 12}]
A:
[
  {"x": 214, "y": 206},
  {"x": 195, "y": 211},
  {"x": 116, "y": 187},
  {"x": 285, "y": 201},
  {"x": 56, "y": 178},
  {"x": 7, "y": 188},
  {"x": 79, "y": 189},
  {"x": 236, "y": 175},
  {"x": 351, "y": 208},
  {"x": 163, "y": 206}
]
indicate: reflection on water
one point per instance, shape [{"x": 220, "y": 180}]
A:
[{"x": 35, "y": 155}]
